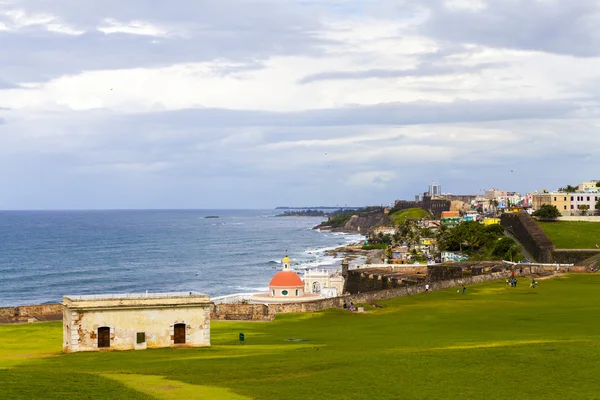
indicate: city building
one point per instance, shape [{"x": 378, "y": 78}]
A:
[
  {"x": 588, "y": 199},
  {"x": 453, "y": 256},
  {"x": 435, "y": 189},
  {"x": 135, "y": 321},
  {"x": 495, "y": 194},
  {"x": 590, "y": 186}
]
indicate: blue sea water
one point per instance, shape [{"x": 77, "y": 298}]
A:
[{"x": 47, "y": 254}]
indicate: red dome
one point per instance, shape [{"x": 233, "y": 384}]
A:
[{"x": 286, "y": 279}]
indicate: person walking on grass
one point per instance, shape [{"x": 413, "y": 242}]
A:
[
  {"x": 464, "y": 289},
  {"x": 426, "y": 287}
]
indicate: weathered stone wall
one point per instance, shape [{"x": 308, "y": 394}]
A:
[
  {"x": 434, "y": 206},
  {"x": 442, "y": 272},
  {"x": 592, "y": 262},
  {"x": 240, "y": 312},
  {"x": 8, "y": 314},
  {"x": 42, "y": 312},
  {"x": 573, "y": 256},
  {"x": 529, "y": 233}
]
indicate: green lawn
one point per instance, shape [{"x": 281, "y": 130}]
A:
[
  {"x": 573, "y": 234},
  {"x": 491, "y": 343},
  {"x": 411, "y": 213}
]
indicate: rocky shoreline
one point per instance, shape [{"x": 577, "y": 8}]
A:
[{"x": 356, "y": 255}]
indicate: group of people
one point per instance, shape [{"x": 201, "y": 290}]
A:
[
  {"x": 512, "y": 282},
  {"x": 351, "y": 308}
]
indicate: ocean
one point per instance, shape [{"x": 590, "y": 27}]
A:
[{"x": 47, "y": 254}]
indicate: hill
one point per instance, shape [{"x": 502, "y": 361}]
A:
[
  {"x": 411, "y": 213},
  {"x": 492, "y": 343}
]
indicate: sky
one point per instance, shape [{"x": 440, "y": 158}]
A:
[{"x": 262, "y": 103}]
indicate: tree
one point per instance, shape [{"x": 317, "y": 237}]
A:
[
  {"x": 583, "y": 208},
  {"x": 598, "y": 184},
  {"x": 569, "y": 189},
  {"x": 547, "y": 211},
  {"x": 494, "y": 204}
]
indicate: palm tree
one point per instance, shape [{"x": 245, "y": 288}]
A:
[{"x": 494, "y": 203}]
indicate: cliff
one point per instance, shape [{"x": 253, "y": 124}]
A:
[{"x": 360, "y": 223}]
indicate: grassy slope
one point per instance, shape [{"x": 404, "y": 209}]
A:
[
  {"x": 492, "y": 343},
  {"x": 573, "y": 234},
  {"x": 411, "y": 213}
]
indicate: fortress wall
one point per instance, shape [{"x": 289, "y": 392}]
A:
[
  {"x": 529, "y": 233},
  {"x": 240, "y": 312},
  {"x": 42, "y": 312},
  {"x": 573, "y": 256}
]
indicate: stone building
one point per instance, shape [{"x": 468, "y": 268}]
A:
[{"x": 135, "y": 321}]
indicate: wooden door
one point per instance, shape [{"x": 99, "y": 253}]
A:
[
  {"x": 179, "y": 331},
  {"x": 103, "y": 337}
]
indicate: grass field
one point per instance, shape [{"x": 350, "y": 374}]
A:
[
  {"x": 491, "y": 343},
  {"x": 411, "y": 213},
  {"x": 573, "y": 234}
]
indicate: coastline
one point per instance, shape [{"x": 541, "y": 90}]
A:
[{"x": 202, "y": 261}]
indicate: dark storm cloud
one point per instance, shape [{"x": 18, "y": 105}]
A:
[
  {"x": 562, "y": 27},
  {"x": 421, "y": 71},
  {"x": 244, "y": 32}
]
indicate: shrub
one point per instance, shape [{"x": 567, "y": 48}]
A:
[{"x": 547, "y": 211}]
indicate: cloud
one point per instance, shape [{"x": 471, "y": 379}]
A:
[
  {"x": 420, "y": 71},
  {"x": 260, "y": 103},
  {"x": 7, "y": 85},
  {"x": 372, "y": 178},
  {"x": 410, "y": 113},
  {"x": 550, "y": 26},
  {"x": 111, "y": 35}
]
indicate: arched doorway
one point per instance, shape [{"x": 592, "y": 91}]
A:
[
  {"x": 103, "y": 337},
  {"x": 179, "y": 333},
  {"x": 316, "y": 287}
]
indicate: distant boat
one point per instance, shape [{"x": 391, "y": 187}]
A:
[{"x": 212, "y": 216}]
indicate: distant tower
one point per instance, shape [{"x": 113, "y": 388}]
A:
[
  {"x": 286, "y": 263},
  {"x": 435, "y": 189}
]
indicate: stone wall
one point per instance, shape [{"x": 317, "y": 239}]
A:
[
  {"x": 529, "y": 234},
  {"x": 240, "y": 312},
  {"x": 434, "y": 206},
  {"x": 443, "y": 272},
  {"x": 573, "y": 256},
  {"x": 42, "y": 312},
  {"x": 8, "y": 314}
]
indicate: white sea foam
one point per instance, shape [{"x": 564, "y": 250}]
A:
[{"x": 252, "y": 289}]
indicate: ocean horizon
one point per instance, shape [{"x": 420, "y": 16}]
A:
[{"x": 45, "y": 254}]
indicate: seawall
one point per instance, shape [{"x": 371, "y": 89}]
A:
[{"x": 35, "y": 313}]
